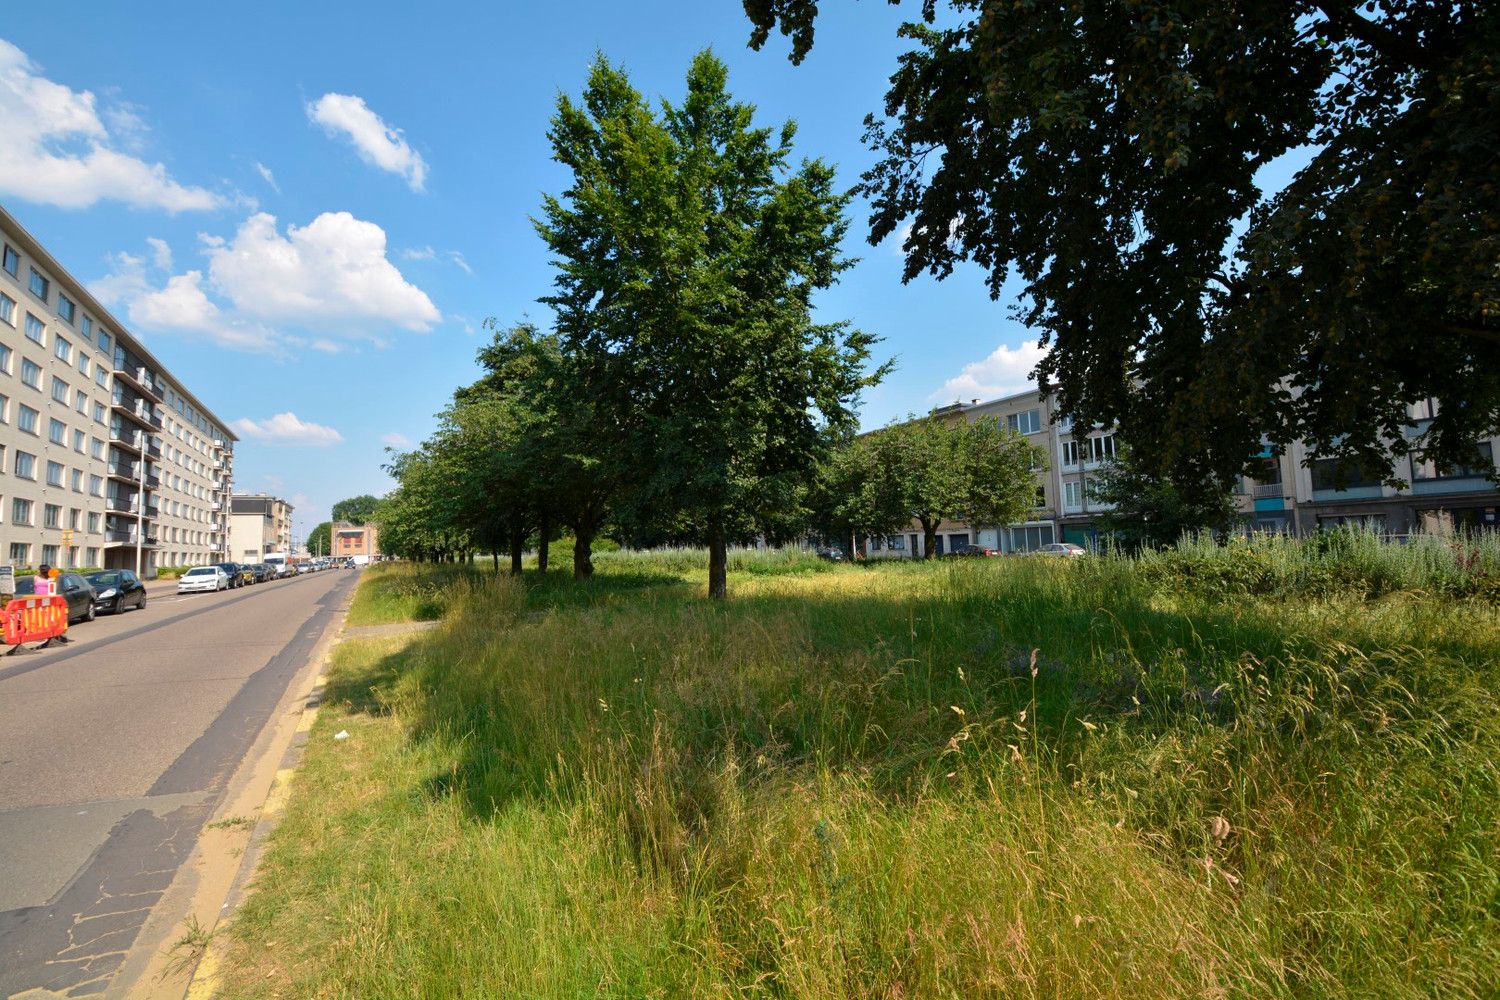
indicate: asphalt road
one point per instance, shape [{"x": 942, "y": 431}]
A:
[{"x": 114, "y": 751}]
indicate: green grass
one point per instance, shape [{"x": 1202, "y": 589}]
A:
[{"x": 999, "y": 778}]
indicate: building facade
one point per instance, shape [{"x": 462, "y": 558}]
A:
[
  {"x": 108, "y": 459},
  {"x": 259, "y": 524},
  {"x": 351, "y": 539},
  {"x": 1296, "y": 493}
]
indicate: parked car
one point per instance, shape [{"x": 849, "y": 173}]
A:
[
  {"x": 832, "y": 555},
  {"x": 201, "y": 578},
  {"x": 75, "y": 588},
  {"x": 259, "y": 572},
  {"x": 975, "y": 551},
  {"x": 232, "y": 570},
  {"x": 1065, "y": 549},
  {"x": 116, "y": 590}
]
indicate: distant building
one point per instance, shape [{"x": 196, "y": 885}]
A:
[
  {"x": 258, "y": 524},
  {"x": 106, "y": 458},
  {"x": 1296, "y": 493},
  {"x": 350, "y": 539}
]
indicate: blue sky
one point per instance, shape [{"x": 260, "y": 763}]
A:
[{"x": 307, "y": 210}]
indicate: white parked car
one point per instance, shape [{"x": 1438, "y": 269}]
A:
[
  {"x": 202, "y": 578},
  {"x": 1065, "y": 549}
]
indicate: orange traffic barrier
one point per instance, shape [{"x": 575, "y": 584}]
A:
[{"x": 35, "y": 619}]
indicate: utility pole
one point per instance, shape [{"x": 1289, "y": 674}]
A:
[{"x": 140, "y": 504}]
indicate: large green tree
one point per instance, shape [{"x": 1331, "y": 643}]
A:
[
  {"x": 957, "y": 470},
  {"x": 1110, "y": 154},
  {"x": 320, "y": 539},
  {"x": 356, "y": 510},
  {"x": 688, "y": 247},
  {"x": 1142, "y": 509}
]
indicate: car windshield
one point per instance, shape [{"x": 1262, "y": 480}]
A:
[
  {"x": 203, "y": 571},
  {"x": 104, "y": 579},
  {"x": 26, "y": 585}
]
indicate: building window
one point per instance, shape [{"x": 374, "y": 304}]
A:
[
  {"x": 77, "y": 480},
  {"x": 78, "y": 439},
  {"x": 1102, "y": 449},
  {"x": 96, "y": 448},
  {"x": 62, "y": 349},
  {"x": 1071, "y": 450},
  {"x": 93, "y": 556},
  {"x": 20, "y": 552},
  {"x": 27, "y": 420},
  {"x": 1041, "y": 497},
  {"x": 40, "y": 286},
  {"x": 81, "y": 402},
  {"x": 104, "y": 341},
  {"x": 20, "y": 511},
  {"x": 75, "y": 517},
  {"x": 7, "y": 309},
  {"x": 35, "y": 328},
  {"x": 54, "y": 474},
  {"x": 59, "y": 390},
  {"x": 57, "y": 431},
  {"x": 101, "y": 376},
  {"x": 51, "y": 516},
  {"x": 1424, "y": 469},
  {"x": 1073, "y": 494},
  {"x": 4, "y": 359},
  {"x": 83, "y": 364},
  {"x": 87, "y": 329},
  {"x": 99, "y": 412},
  {"x": 65, "y": 308},
  {"x": 96, "y": 486},
  {"x": 1026, "y": 423},
  {"x": 1339, "y": 474},
  {"x": 31, "y": 373},
  {"x": 25, "y": 465},
  {"x": 49, "y": 555},
  {"x": 4, "y": 409},
  {"x": 12, "y": 262},
  {"x": 94, "y": 522}
]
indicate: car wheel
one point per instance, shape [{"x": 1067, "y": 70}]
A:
[{"x": 90, "y": 614}]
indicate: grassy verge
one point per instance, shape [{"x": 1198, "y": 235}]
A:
[{"x": 1003, "y": 778}]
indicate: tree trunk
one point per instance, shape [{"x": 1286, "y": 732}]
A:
[
  {"x": 495, "y": 554},
  {"x": 929, "y": 538},
  {"x": 718, "y": 562},
  {"x": 583, "y": 552},
  {"x": 544, "y": 528},
  {"x": 517, "y": 544}
]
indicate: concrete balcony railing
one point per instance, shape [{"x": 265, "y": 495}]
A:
[{"x": 1263, "y": 491}]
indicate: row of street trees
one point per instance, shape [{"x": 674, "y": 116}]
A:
[{"x": 686, "y": 390}]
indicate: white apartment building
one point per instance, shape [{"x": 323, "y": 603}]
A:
[
  {"x": 259, "y": 524},
  {"x": 106, "y": 459}
]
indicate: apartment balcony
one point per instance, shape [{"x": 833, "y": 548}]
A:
[
  {"x": 126, "y": 437},
  {"x": 216, "y": 506},
  {"x": 218, "y": 464},
  {"x": 1268, "y": 491},
  {"x": 122, "y": 504},
  {"x": 153, "y": 481},
  {"x": 127, "y": 536},
  {"x": 129, "y": 472},
  {"x": 153, "y": 449}
]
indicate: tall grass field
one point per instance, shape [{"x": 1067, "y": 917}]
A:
[{"x": 1264, "y": 770}]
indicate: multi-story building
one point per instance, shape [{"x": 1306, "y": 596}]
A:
[
  {"x": 259, "y": 524},
  {"x": 350, "y": 539},
  {"x": 1297, "y": 492},
  {"x": 108, "y": 459}
]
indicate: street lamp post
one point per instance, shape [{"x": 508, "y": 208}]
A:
[{"x": 140, "y": 506}]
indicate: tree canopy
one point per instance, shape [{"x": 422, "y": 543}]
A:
[
  {"x": 688, "y": 247},
  {"x": 1112, "y": 155},
  {"x": 356, "y": 510},
  {"x": 320, "y": 539}
]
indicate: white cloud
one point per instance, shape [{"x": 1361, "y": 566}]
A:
[
  {"x": 395, "y": 441},
  {"x": 267, "y": 176},
  {"x": 332, "y": 271},
  {"x": 418, "y": 253},
  {"x": 287, "y": 428},
  {"x": 331, "y": 276},
  {"x": 161, "y": 254},
  {"x": 58, "y": 150},
  {"x": 458, "y": 260},
  {"x": 1005, "y": 372},
  {"x": 377, "y": 143}
]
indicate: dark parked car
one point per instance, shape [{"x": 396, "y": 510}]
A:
[
  {"x": 75, "y": 588},
  {"x": 117, "y": 590},
  {"x": 974, "y": 552},
  {"x": 236, "y": 578},
  {"x": 259, "y": 572},
  {"x": 832, "y": 555}
]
